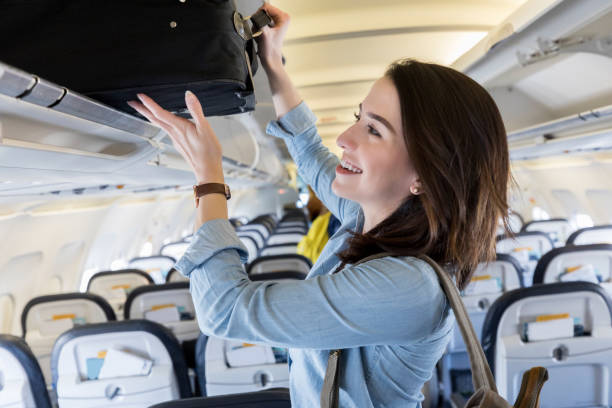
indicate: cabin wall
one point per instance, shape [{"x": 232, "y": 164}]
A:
[{"x": 564, "y": 188}]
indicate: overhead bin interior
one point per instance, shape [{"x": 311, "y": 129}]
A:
[{"x": 550, "y": 77}]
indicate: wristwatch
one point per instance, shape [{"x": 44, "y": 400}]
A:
[{"x": 210, "y": 188}]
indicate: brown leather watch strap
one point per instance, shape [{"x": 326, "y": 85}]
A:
[{"x": 210, "y": 188}]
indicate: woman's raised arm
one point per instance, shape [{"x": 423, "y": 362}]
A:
[
  {"x": 316, "y": 164},
  {"x": 284, "y": 95}
]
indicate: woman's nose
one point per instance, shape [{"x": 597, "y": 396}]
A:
[{"x": 346, "y": 141}]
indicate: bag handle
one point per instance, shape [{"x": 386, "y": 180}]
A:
[{"x": 481, "y": 372}]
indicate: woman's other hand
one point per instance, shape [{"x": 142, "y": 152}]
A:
[
  {"x": 271, "y": 41},
  {"x": 195, "y": 141}
]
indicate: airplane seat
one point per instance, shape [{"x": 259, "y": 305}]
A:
[
  {"x": 280, "y": 249},
  {"x": 115, "y": 286},
  {"x": 229, "y": 367},
  {"x": 254, "y": 235},
  {"x": 278, "y": 263},
  {"x": 590, "y": 263},
  {"x": 121, "y": 364},
  {"x": 527, "y": 247},
  {"x": 270, "y": 398},
  {"x": 565, "y": 327},
  {"x": 22, "y": 384},
  {"x": 262, "y": 229},
  {"x": 170, "y": 305},
  {"x": 292, "y": 224},
  {"x": 490, "y": 281},
  {"x": 157, "y": 266},
  {"x": 45, "y": 318},
  {"x": 558, "y": 229},
  {"x": 284, "y": 238},
  {"x": 175, "y": 276},
  {"x": 601, "y": 234},
  {"x": 174, "y": 249},
  {"x": 250, "y": 245}
]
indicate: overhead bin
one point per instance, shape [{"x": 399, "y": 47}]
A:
[
  {"x": 548, "y": 68},
  {"x": 68, "y": 136}
]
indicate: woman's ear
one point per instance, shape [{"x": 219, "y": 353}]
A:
[{"x": 416, "y": 187}]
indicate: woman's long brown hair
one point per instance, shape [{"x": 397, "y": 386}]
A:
[{"x": 457, "y": 143}]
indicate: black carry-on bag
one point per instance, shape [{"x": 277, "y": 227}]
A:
[
  {"x": 111, "y": 50},
  {"x": 486, "y": 395}
]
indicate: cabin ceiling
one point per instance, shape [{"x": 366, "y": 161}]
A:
[{"x": 336, "y": 49}]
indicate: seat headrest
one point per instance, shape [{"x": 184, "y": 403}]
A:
[
  {"x": 546, "y": 260},
  {"x": 141, "y": 290},
  {"x": 85, "y": 297},
  {"x": 120, "y": 272}
]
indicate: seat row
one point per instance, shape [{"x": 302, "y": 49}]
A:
[
  {"x": 87, "y": 356},
  {"x": 564, "y": 326},
  {"x": 542, "y": 262}
]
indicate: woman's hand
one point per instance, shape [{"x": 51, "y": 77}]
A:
[
  {"x": 271, "y": 41},
  {"x": 195, "y": 141}
]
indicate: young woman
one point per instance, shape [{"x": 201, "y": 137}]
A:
[{"x": 424, "y": 170}]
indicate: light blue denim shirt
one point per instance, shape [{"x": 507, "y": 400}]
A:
[{"x": 389, "y": 314}]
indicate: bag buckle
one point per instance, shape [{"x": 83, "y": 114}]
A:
[{"x": 257, "y": 22}]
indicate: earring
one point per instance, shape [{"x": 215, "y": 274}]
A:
[{"x": 414, "y": 190}]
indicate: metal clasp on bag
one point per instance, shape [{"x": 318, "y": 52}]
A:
[{"x": 248, "y": 31}]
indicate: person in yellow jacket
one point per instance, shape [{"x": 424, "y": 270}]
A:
[{"x": 324, "y": 225}]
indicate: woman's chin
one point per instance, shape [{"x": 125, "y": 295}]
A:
[{"x": 339, "y": 190}]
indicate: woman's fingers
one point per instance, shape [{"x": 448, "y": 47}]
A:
[
  {"x": 195, "y": 109},
  {"x": 163, "y": 115},
  {"x": 140, "y": 108}
]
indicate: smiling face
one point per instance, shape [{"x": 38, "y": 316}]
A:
[{"x": 375, "y": 169}]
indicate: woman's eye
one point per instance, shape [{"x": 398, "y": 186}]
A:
[
  {"x": 373, "y": 131},
  {"x": 357, "y": 116}
]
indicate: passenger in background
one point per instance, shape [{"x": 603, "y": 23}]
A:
[
  {"x": 323, "y": 226},
  {"x": 425, "y": 170}
]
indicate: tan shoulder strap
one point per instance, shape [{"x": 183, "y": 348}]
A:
[{"x": 481, "y": 373}]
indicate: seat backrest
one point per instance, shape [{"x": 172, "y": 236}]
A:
[
  {"x": 157, "y": 266},
  {"x": 490, "y": 281},
  {"x": 278, "y": 263},
  {"x": 174, "y": 249},
  {"x": 590, "y": 263},
  {"x": 559, "y": 229},
  {"x": 250, "y": 245},
  {"x": 527, "y": 248},
  {"x": 601, "y": 234},
  {"x": 22, "y": 384},
  {"x": 282, "y": 249},
  {"x": 271, "y": 398},
  {"x": 175, "y": 276},
  {"x": 114, "y": 286},
  {"x": 125, "y": 364},
  {"x": 295, "y": 230},
  {"x": 291, "y": 224},
  {"x": 227, "y": 367},
  {"x": 566, "y": 328},
  {"x": 254, "y": 235},
  {"x": 169, "y": 304},
  {"x": 283, "y": 238},
  {"x": 45, "y": 318},
  {"x": 262, "y": 229}
]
